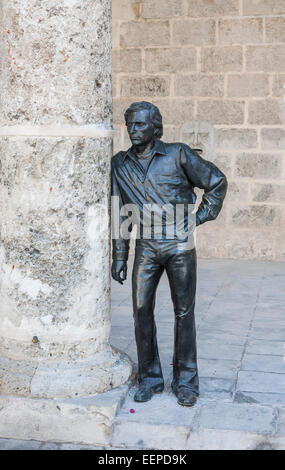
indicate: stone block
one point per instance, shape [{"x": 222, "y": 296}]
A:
[
  {"x": 167, "y": 8},
  {"x": 267, "y": 112},
  {"x": 248, "y": 85},
  {"x": 127, "y": 60},
  {"x": 270, "y": 399},
  {"x": 176, "y": 112},
  {"x": 265, "y": 58},
  {"x": 275, "y": 29},
  {"x": 204, "y": 8},
  {"x": 146, "y": 435},
  {"x": 250, "y": 381},
  {"x": 210, "y": 350},
  {"x": 238, "y": 191},
  {"x": 171, "y": 59},
  {"x": 264, "y": 363},
  {"x": 271, "y": 348},
  {"x": 86, "y": 420},
  {"x": 278, "y": 88},
  {"x": 263, "y": 7},
  {"x": 221, "y": 111},
  {"x": 273, "y": 139},
  {"x": 125, "y": 10},
  {"x": 245, "y": 244},
  {"x": 219, "y": 439},
  {"x": 198, "y": 32},
  {"x": 199, "y": 85},
  {"x": 223, "y": 162},
  {"x": 221, "y": 59},
  {"x": 240, "y": 31},
  {"x": 232, "y": 416},
  {"x": 234, "y": 139},
  {"x": 120, "y": 105},
  {"x": 141, "y": 34},
  {"x": 253, "y": 217},
  {"x": 145, "y": 86},
  {"x": 252, "y": 165},
  {"x": 217, "y": 368},
  {"x": 261, "y": 192}
]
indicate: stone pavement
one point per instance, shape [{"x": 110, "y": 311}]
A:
[{"x": 240, "y": 316}]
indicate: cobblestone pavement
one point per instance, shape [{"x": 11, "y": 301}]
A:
[{"x": 240, "y": 317}]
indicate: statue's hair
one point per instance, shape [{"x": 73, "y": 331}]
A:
[{"x": 154, "y": 114}]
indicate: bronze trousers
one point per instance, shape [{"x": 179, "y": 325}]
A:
[{"x": 180, "y": 263}]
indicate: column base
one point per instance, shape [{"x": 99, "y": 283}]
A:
[
  {"x": 105, "y": 370},
  {"x": 78, "y": 420}
]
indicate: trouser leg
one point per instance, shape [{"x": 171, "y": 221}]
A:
[
  {"x": 181, "y": 270},
  {"x": 145, "y": 278}
]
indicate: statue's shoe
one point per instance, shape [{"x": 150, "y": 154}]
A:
[
  {"x": 145, "y": 392},
  {"x": 186, "y": 397}
]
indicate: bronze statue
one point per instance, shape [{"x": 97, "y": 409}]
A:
[{"x": 158, "y": 174}]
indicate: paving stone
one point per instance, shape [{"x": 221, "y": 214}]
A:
[
  {"x": 250, "y": 418},
  {"x": 13, "y": 444},
  {"x": 249, "y": 381},
  {"x": 274, "y": 348},
  {"x": 262, "y": 363},
  {"x": 218, "y": 368},
  {"x": 207, "y": 350},
  {"x": 270, "y": 399}
]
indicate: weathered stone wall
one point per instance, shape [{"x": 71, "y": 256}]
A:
[{"x": 222, "y": 61}]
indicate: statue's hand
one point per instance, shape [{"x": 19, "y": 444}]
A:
[{"x": 119, "y": 271}]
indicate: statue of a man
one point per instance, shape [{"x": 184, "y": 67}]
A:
[{"x": 163, "y": 175}]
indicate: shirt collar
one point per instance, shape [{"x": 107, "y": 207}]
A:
[{"x": 158, "y": 149}]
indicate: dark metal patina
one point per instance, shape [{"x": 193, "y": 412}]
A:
[{"x": 154, "y": 172}]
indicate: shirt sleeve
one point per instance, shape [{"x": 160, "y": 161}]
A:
[
  {"x": 120, "y": 244},
  {"x": 205, "y": 175}
]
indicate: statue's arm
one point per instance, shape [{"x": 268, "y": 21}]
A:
[
  {"x": 210, "y": 178},
  {"x": 120, "y": 246}
]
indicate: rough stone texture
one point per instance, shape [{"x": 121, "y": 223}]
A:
[
  {"x": 222, "y": 59},
  {"x": 198, "y": 32},
  {"x": 86, "y": 420},
  {"x": 267, "y": 112},
  {"x": 241, "y": 31},
  {"x": 55, "y": 44},
  {"x": 145, "y": 34},
  {"x": 167, "y": 8},
  {"x": 170, "y": 60},
  {"x": 248, "y": 85},
  {"x": 265, "y": 58},
  {"x": 219, "y": 62},
  {"x": 273, "y": 139},
  {"x": 202, "y": 85},
  {"x": 221, "y": 111},
  {"x": 250, "y": 165},
  {"x": 235, "y": 139},
  {"x": 213, "y": 8},
  {"x": 263, "y": 7},
  {"x": 54, "y": 201},
  {"x": 275, "y": 29},
  {"x": 145, "y": 86}
]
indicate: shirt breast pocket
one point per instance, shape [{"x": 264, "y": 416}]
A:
[{"x": 168, "y": 180}]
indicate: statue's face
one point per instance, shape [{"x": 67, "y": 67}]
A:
[
  {"x": 140, "y": 128},
  {"x": 199, "y": 135}
]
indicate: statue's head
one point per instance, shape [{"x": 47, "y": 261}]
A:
[{"x": 144, "y": 123}]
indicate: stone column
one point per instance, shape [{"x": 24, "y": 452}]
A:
[{"x": 55, "y": 150}]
